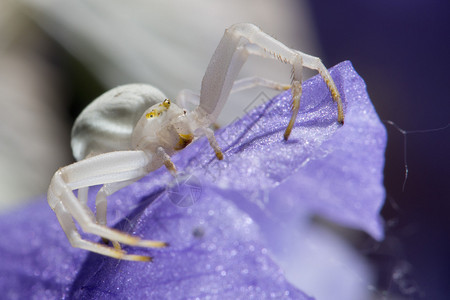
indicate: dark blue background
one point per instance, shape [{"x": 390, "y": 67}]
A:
[{"x": 401, "y": 49}]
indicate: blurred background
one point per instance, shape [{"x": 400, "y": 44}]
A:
[{"x": 56, "y": 57}]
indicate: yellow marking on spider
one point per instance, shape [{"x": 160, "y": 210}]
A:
[
  {"x": 219, "y": 155},
  {"x": 157, "y": 111},
  {"x": 166, "y": 103},
  {"x": 185, "y": 139},
  {"x": 151, "y": 114}
]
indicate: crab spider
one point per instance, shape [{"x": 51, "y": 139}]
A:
[{"x": 134, "y": 129}]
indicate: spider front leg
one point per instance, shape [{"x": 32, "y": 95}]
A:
[
  {"x": 240, "y": 41},
  {"x": 112, "y": 167}
]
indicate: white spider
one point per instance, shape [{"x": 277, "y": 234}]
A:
[{"x": 132, "y": 130}]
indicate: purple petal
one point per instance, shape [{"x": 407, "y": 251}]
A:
[
  {"x": 36, "y": 260},
  {"x": 331, "y": 170},
  {"x": 219, "y": 215},
  {"x": 215, "y": 252}
]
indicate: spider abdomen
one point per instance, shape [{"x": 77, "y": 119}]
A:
[{"x": 107, "y": 123}]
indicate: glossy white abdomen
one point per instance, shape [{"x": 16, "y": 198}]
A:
[{"x": 107, "y": 123}]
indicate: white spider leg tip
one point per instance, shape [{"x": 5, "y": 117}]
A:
[
  {"x": 134, "y": 257},
  {"x": 137, "y": 258},
  {"x": 138, "y": 242},
  {"x": 337, "y": 98},
  {"x": 121, "y": 254},
  {"x": 151, "y": 244},
  {"x": 171, "y": 167},
  {"x": 295, "y": 105},
  {"x": 219, "y": 155}
]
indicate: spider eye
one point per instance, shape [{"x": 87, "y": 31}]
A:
[
  {"x": 151, "y": 114},
  {"x": 166, "y": 103}
]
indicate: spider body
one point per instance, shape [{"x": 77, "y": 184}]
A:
[{"x": 134, "y": 129}]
